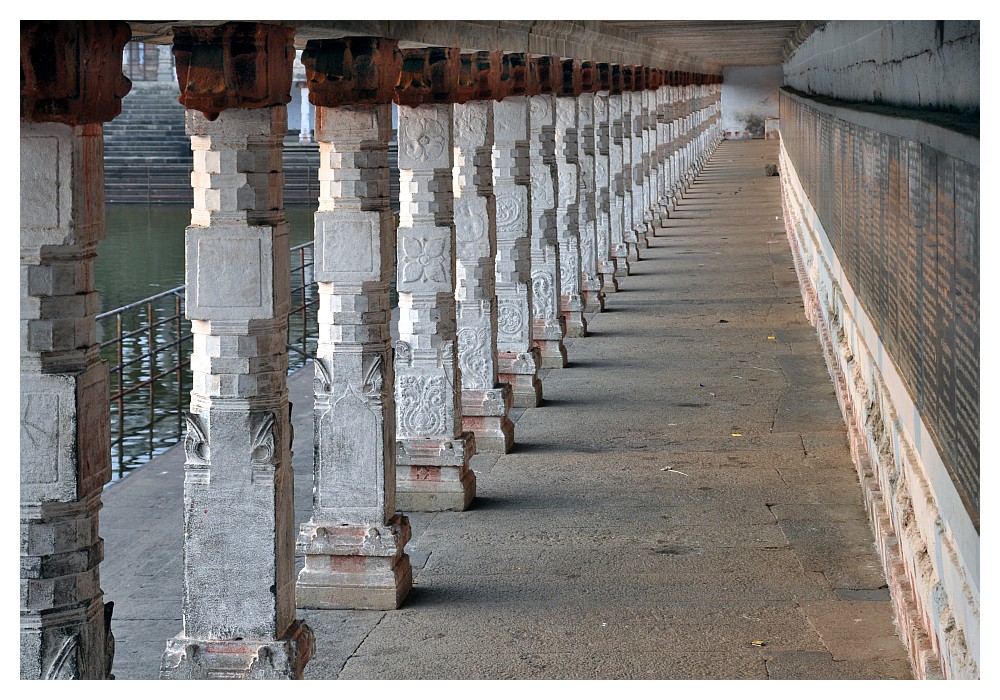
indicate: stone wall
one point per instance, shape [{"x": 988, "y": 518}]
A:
[
  {"x": 883, "y": 214},
  {"x": 919, "y": 64},
  {"x": 749, "y": 97}
]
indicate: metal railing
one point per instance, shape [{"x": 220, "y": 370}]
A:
[{"x": 148, "y": 347}]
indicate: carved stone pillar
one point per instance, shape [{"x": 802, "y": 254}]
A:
[
  {"x": 647, "y": 144},
  {"x": 71, "y": 82},
  {"x": 618, "y": 177},
  {"x": 602, "y": 184},
  {"x": 663, "y": 148},
  {"x": 486, "y": 402},
  {"x": 239, "y": 523},
  {"x": 550, "y": 325},
  {"x": 567, "y": 142},
  {"x": 518, "y": 358},
  {"x": 628, "y": 185},
  {"x": 432, "y": 452},
  {"x": 353, "y": 543},
  {"x": 590, "y": 280},
  {"x": 637, "y": 164}
]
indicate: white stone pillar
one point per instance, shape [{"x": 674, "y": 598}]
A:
[
  {"x": 432, "y": 458},
  {"x": 305, "y": 128},
  {"x": 518, "y": 358},
  {"x": 663, "y": 154},
  {"x": 239, "y": 558},
  {"x": 648, "y": 169},
  {"x": 568, "y": 216},
  {"x": 628, "y": 185},
  {"x": 550, "y": 325},
  {"x": 64, "y": 439},
  {"x": 606, "y": 264},
  {"x": 486, "y": 402},
  {"x": 618, "y": 182},
  {"x": 590, "y": 280},
  {"x": 637, "y": 165},
  {"x": 353, "y": 543},
  {"x": 165, "y": 65}
]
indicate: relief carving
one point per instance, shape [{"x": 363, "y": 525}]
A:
[
  {"x": 542, "y": 293},
  {"x": 196, "y": 447},
  {"x": 424, "y": 139},
  {"x": 508, "y": 213},
  {"x": 510, "y": 319},
  {"x": 473, "y": 351},
  {"x": 420, "y": 405},
  {"x": 423, "y": 260},
  {"x": 262, "y": 445}
]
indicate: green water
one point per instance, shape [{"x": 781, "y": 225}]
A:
[
  {"x": 143, "y": 249},
  {"x": 142, "y": 255}
]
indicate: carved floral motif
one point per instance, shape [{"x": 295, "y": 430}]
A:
[
  {"x": 473, "y": 350},
  {"x": 424, "y": 260},
  {"x": 541, "y": 290},
  {"x": 510, "y": 318},
  {"x": 423, "y": 139},
  {"x": 421, "y": 405},
  {"x": 508, "y": 212}
]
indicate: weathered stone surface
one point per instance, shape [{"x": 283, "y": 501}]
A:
[
  {"x": 353, "y": 70},
  {"x": 618, "y": 201},
  {"x": 485, "y": 401},
  {"x": 428, "y": 396},
  {"x": 71, "y": 71},
  {"x": 606, "y": 262},
  {"x": 237, "y": 65},
  {"x": 590, "y": 281},
  {"x": 429, "y": 76},
  {"x": 64, "y": 443},
  {"x": 567, "y": 163},
  {"x": 518, "y": 358},
  {"x": 549, "y": 324},
  {"x": 353, "y": 543},
  {"x": 239, "y": 597}
]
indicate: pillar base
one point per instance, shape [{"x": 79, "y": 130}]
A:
[
  {"x": 553, "y": 353},
  {"x": 484, "y": 413},
  {"x": 433, "y": 474},
  {"x": 633, "y": 251},
  {"x": 354, "y": 566},
  {"x": 572, "y": 313},
  {"x": 593, "y": 299},
  {"x": 520, "y": 371},
  {"x": 239, "y": 659}
]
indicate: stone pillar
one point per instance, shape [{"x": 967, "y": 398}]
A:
[
  {"x": 486, "y": 402},
  {"x": 305, "y": 131},
  {"x": 628, "y": 184},
  {"x": 606, "y": 265},
  {"x": 637, "y": 164},
  {"x": 663, "y": 148},
  {"x": 432, "y": 452},
  {"x": 567, "y": 142},
  {"x": 618, "y": 178},
  {"x": 353, "y": 543},
  {"x": 518, "y": 358},
  {"x": 239, "y": 522},
  {"x": 549, "y": 324},
  {"x": 71, "y": 82},
  {"x": 590, "y": 280},
  {"x": 165, "y": 64},
  {"x": 648, "y": 142}
]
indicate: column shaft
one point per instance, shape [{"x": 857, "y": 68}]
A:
[
  {"x": 432, "y": 456},
  {"x": 618, "y": 183},
  {"x": 568, "y": 215},
  {"x": 517, "y": 356},
  {"x": 354, "y": 541},
  {"x": 239, "y": 558},
  {"x": 606, "y": 264},
  {"x": 549, "y": 324},
  {"x": 590, "y": 280},
  {"x": 485, "y": 401}
]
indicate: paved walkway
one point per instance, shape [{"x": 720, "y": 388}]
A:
[{"x": 683, "y": 505}]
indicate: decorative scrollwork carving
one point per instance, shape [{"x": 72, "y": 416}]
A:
[
  {"x": 473, "y": 350},
  {"x": 420, "y": 405},
  {"x": 263, "y": 443},
  {"x": 196, "y": 446}
]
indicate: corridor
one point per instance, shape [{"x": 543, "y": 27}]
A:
[{"x": 682, "y": 504}]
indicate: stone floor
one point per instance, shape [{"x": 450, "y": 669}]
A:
[{"x": 682, "y": 505}]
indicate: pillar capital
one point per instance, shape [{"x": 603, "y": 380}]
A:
[
  {"x": 571, "y": 82},
  {"x": 71, "y": 71},
  {"x": 429, "y": 76},
  {"x": 546, "y": 73},
  {"x": 628, "y": 78},
  {"x": 480, "y": 76},
  {"x": 237, "y": 65},
  {"x": 517, "y": 72},
  {"x": 588, "y": 77},
  {"x": 639, "y": 75},
  {"x": 353, "y": 70}
]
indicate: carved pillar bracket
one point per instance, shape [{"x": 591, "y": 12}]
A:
[
  {"x": 549, "y": 323},
  {"x": 590, "y": 281},
  {"x": 239, "y": 524},
  {"x": 71, "y": 81},
  {"x": 567, "y": 143},
  {"x": 354, "y": 542},
  {"x": 606, "y": 263},
  {"x": 486, "y": 402},
  {"x": 619, "y": 178},
  {"x": 518, "y": 359},
  {"x": 432, "y": 452}
]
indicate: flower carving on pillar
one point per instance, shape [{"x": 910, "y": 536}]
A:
[
  {"x": 421, "y": 405},
  {"x": 541, "y": 185},
  {"x": 510, "y": 319},
  {"x": 541, "y": 289},
  {"x": 540, "y": 109},
  {"x": 423, "y": 139},
  {"x": 471, "y": 126},
  {"x": 424, "y": 260},
  {"x": 508, "y": 212},
  {"x": 470, "y": 221}
]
